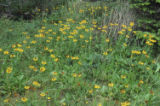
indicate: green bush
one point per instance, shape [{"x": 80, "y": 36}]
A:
[
  {"x": 28, "y": 8},
  {"x": 148, "y": 15},
  {"x": 149, "y": 12}
]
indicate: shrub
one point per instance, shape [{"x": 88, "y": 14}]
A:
[
  {"x": 28, "y": 8},
  {"x": 148, "y": 15}
]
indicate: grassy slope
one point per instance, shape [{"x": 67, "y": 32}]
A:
[{"x": 84, "y": 81}]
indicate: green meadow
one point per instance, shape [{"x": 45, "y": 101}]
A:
[{"x": 77, "y": 57}]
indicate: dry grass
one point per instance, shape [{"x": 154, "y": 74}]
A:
[{"x": 119, "y": 14}]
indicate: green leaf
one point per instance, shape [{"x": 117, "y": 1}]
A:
[
  {"x": 158, "y": 1},
  {"x": 20, "y": 77},
  {"x": 158, "y": 67}
]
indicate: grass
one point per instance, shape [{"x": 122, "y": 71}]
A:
[{"x": 75, "y": 62}]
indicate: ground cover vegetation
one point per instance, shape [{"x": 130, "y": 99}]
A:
[{"x": 79, "y": 54}]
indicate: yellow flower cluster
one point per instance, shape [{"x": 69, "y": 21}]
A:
[
  {"x": 126, "y": 103},
  {"x": 75, "y": 58},
  {"x": 9, "y": 70},
  {"x": 136, "y": 52},
  {"x": 37, "y": 84}
]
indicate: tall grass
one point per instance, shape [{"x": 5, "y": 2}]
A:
[{"x": 120, "y": 13}]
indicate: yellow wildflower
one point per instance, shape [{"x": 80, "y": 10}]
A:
[
  {"x": 120, "y": 32},
  {"x": 150, "y": 36},
  {"x": 136, "y": 52},
  {"x": 75, "y": 58},
  {"x": 153, "y": 61},
  {"x": 90, "y": 38},
  {"x": 134, "y": 32},
  {"x": 99, "y": 104},
  {"x": 148, "y": 68},
  {"x": 42, "y": 94},
  {"x": 123, "y": 30},
  {"x": 123, "y": 76},
  {"x": 54, "y": 33},
  {"x": 87, "y": 30},
  {"x": 50, "y": 50},
  {"x": 126, "y": 86},
  {"x": 1, "y": 49},
  {"x": 24, "y": 41},
  {"x": 141, "y": 82},
  {"x": 6, "y": 101},
  {"x": 56, "y": 59},
  {"x": 131, "y": 24},
  {"x": 31, "y": 66},
  {"x": 97, "y": 86},
  {"x": 35, "y": 59},
  {"x": 27, "y": 87},
  {"x": 13, "y": 46},
  {"x": 67, "y": 56},
  {"x": 43, "y": 62},
  {"x": 105, "y": 53},
  {"x": 104, "y": 27},
  {"x": 33, "y": 42},
  {"x": 129, "y": 29},
  {"x": 144, "y": 52},
  {"x": 63, "y": 104},
  {"x": 70, "y": 36},
  {"x": 86, "y": 102},
  {"x": 48, "y": 41},
  {"x": 90, "y": 91},
  {"x": 110, "y": 84},
  {"x": 94, "y": 22},
  {"x": 24, "y": 99},
  {"x": 141, "y": 63},
  {"x": 45, "y": 48},
  {"x": 9, "y": 70},
  {"x": 124, "y": 44},
  {"x": 53, "y": 56},
  {"x": 107, "y": 40},
  {"x": 54, "y": 79},
  {"x": 42, "y": 69},
  {"x": 86, "y": 41},
  {"x": 152, "y": 40},
  {"x": 50, "y": 38},
  {"x": 12, "y": 55},
  {"x": 145, "y": 35},
  {"x": 79, "y": 63},
  {"x": 83, "y": 22},
  {"x": 127, "y": 36},
  {"x": 27, "y": 37},
  {"x": 124, "y": 26},
  {"x": 19, "y": 49},
  {"x": 6, "y": 52},
  {"x": 74, "y": 75},
  {"x": 81, "y": 36},
  {"x": 123, "y": 91},
  {"x": 28, "y": 47},
  {"x": 149, "y": 43},
  {"x": 79, "y": 75},
  {"x": 125, "y": 103},
  {"x": 54, "y": 73},
  {"x": 74, "y": 40},
  {"x": 35, "y": 83},
  {"x": 19, "y": 45},
  {"x": 49, "y": 98}
]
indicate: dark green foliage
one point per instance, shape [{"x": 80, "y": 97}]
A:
[
  {"x": 27, "y": 9},
  {"x": 149, "y": 14}
]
